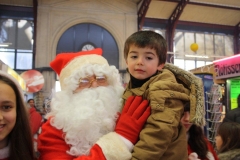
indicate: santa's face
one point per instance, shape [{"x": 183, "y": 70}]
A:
[{"x": 86, "y": 115}]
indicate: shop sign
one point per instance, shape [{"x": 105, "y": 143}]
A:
[
  {"x": 227, "y": 67},
  {"x": 34, "y": 80}
]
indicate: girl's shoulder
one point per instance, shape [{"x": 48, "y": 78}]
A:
[{"x": 4, "y": 153}]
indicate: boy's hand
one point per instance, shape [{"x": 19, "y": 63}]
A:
[{"x": 134, "y": 115}]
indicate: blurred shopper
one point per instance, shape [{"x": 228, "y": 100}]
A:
[
  {"x": 36, "y": 121},
  {"x": 199, "y": 148},
  {"x": 234, "y": 114},
  {"x": 228, "y": 141},
  {"x": 35, "y": 117}
]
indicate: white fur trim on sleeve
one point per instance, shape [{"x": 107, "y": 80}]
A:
[
  {"x": 127, "y": 143},
  {"x": 210, "y": 156},
  {"x": 113, "y": 147}
]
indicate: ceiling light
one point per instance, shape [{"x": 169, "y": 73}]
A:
[
  {"x": 196, "y": 56},
  {"x": 5, "y": 44}
]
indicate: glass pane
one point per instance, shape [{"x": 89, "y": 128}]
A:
[
  {"x": 57, "y": 86},
  {"x": 158, "y": 30},
  {"x": 6, "y": 50},
  {"x": 200, "y": 63},
  {"x": 162, "y": 32},
  {"x": 25, "y": 34},
  {"x": 179, "y": 63},
  {"x": 24, "y": 61},
  {"x": 190, "y": 64},
  {"x": 7, "y": 32},
  {"x": 209, "y": 44},
  {"x": 219, "y": 45},
  {"x": 200, "y": 42},
  {"x": 7, "y": 58},
  {"x": 179, "y": 43},
  {"x": 207, "y": 63},
  {"x": 189, "y": 39},
  {"x": 179, "y": 56},
  {"x": 229, "y": 50}
]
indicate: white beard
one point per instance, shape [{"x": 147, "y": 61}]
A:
[{"x": 86, "y": 116}]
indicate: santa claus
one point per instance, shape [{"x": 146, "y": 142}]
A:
[{"x": 84, "y": 113}]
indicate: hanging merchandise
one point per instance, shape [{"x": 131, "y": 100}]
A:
[
  {"x": 214, "y": 111},
  {"x": 194, "y": 47}
]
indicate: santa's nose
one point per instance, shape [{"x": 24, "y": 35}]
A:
[{"x": 94, "y": 84}]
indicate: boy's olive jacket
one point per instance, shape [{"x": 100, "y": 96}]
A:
[{"x": 163, "y": 136}]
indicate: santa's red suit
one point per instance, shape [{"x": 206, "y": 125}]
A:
[
  {"x": 53, "y": 146},
  {"x": 112, "y": 146}
]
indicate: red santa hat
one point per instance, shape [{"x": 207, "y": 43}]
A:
[{"x": 66, "y": 63}]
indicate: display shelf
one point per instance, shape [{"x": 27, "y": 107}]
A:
[
  {"x": 214, "y": 108},
  {"x": 213, "y": 112}
]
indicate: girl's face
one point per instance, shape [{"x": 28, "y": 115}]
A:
[
  {"x": 7, "y": 112},
  {"x": 142, "y": 63},
  {"x": 218, "y": 141},
  {"x": 185, "y": 120}
]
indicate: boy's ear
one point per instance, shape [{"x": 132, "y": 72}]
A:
[{"x": 160, "y": 66}]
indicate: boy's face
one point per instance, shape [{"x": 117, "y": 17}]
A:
[{"x": 142, "y": 62}]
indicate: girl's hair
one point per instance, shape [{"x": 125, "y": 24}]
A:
[
  {"x": 149, "y": 39},
  {"x": 197, "y": 140},
  {"x": 230, "y": 134},
  {"x": 20, "y": 138}
]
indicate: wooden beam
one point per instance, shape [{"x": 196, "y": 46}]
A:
[{"x": 214, "y": 5}]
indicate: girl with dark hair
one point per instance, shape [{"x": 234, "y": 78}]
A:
[
  {"x": 16, "y": 141},
  {"x": 199, "y": 148},
  {"x": 228, "y": 141}
]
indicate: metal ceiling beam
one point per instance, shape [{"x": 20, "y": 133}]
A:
[
  {"x": 237, "y": 39},
  {"x": 172, "y": 22},
  {"x": 190, "y": 24},
  {"x": 142, "y": 13},
  {"x": 35, "y": 7}
]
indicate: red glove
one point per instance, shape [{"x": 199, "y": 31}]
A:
[{"x": 134, "y": 115}]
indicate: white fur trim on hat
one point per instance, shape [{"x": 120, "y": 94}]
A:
[{"x": 77, "y": 63}]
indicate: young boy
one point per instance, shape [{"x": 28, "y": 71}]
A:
[{"x": 167, "y": 88}]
